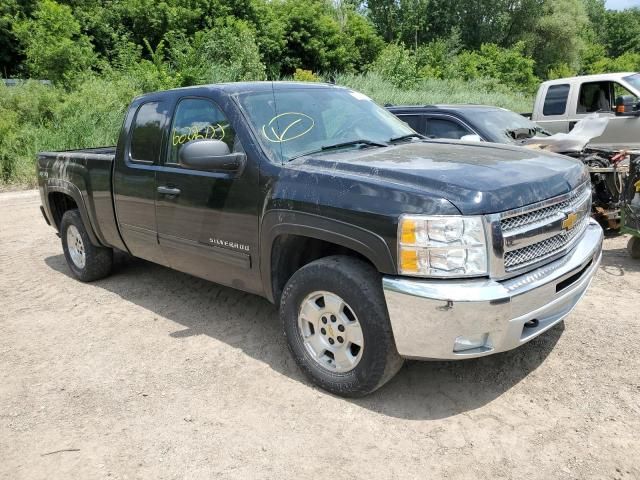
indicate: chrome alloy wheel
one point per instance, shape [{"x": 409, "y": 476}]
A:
[
  {"x": 330, "y": 331},
  {"x": 75, "y": 246}
]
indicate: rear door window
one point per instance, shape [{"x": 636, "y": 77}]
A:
[
  {"x": 147, "y": 132},
  {"x": 555, "y": 102},
  {"x": 445, "y": 128}
]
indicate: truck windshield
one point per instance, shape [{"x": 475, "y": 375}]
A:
[
  {"x": 508, "y": 126},
  {"x": 634, "y": 81},
  {"x": 294, "y": 121}
]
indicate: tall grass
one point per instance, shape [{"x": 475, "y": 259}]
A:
[
  {"x": 435, "y": 91},
  {"x": 35, "y": 117}
]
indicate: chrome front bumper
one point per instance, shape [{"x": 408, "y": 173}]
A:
[{"x": 427, "y": 316}]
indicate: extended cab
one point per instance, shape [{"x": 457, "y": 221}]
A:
[
  {"x": 378, "y": 245},
  {"x": 561, "y": 103}
]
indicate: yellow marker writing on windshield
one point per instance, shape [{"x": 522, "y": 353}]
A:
[{"x": 291, "y": 119}]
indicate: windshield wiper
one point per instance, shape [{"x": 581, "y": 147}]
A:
[
  {"x": 369, "y": 143},
  {"x": 405, "y": 137},
  {"x": 365, "y": 142}
]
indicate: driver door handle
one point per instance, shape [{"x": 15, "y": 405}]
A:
[{"x": 169, "y": 191}]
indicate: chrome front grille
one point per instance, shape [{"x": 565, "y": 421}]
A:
[
  {"x": 509, "y": 223},
  {"x": 526, "y": 237},
  {"x": 541, "y": 250}
]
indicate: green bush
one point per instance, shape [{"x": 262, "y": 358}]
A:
[
  {"x": 301, "y": 75},
  {"x": 36, "y": 117},
  {"x": 228, "y": 52},
  {"x": 508, "y": 66},
  {"x": 397, "y": 65}
]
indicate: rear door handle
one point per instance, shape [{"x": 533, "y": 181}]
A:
[{"x": 169, "y": 191}]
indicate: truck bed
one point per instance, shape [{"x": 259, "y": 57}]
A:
[
  {"x": 78, "y": 172},
  {"x": 99, "y": 153}
]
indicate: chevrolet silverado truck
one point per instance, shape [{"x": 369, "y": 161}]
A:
[{"x": 377, "y": 244}]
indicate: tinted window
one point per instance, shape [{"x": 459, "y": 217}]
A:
[
  {"x": 195, "y": 119},
  {"x": 441, "y": 128},
  {"x": 556, "y": 101},
  {"x": 594, "y": 97},
  {"x": 146, "y": 135},
  {"x": 413, "y": 121}
]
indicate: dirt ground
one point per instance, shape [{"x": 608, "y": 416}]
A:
[{"x": 155, "y": 374}]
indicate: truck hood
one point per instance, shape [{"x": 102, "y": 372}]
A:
[{"x": 476, "y": 179}]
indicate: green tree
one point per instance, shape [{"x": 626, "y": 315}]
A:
[
  {"x": 54, "y": 47},
  {"x": 363, "y": 41},
  {"x": 314, "y": 39},
  {"x": 623, "y": 31},
  {"x": 557, "y": 37},
  {"x": 10, "y": 54}
]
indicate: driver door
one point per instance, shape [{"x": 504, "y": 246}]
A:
[{"x": 207, "y": 220}]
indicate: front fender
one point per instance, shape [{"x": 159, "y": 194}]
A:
[{"x": 280, "y": 222}]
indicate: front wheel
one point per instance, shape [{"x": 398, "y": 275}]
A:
[
  {"x": 86, "y": 261},
  {"x": 336, "y": 324}
]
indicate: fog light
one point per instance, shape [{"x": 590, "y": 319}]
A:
[{"x": 470, "y": 342}]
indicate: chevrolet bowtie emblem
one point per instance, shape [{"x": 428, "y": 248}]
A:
[{"x": 570, "y": 222}]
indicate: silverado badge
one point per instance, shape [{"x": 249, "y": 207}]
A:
[{"x": 570, "y": 222}]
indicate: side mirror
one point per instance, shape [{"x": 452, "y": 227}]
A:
[
  {"x": 625, "y": 106},
  {"x": 471, "y": 138},
  {"x": 210, "y": 155}
]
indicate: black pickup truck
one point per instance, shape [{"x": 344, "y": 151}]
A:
[{"x": 377, "y": 244}]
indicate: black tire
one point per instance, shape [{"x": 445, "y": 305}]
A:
[
  {"x": 98, "y": 260},
  {"x": 360, "y": 286},
  {"x": 633, "y": 247}
]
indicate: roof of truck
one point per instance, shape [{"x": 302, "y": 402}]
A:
[
  {"x": 241, "y": 87},
  {"x": 596, "y": 77}
]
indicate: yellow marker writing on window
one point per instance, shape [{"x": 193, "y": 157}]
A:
[
  {"x": 212, "y": 132},
  {"x": 291, "y": 125}
]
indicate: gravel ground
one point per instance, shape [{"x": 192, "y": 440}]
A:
[{"x": 155, "y": 374}]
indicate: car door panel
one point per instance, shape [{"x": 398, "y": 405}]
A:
[{"x": 210, "y": 228}]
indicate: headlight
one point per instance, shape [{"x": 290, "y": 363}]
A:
[{"x": 441, "y": 246}]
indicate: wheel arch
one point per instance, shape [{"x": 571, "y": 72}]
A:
[
  {"x": 64, "y": 197},
  {"x": 290, "y": 240}
]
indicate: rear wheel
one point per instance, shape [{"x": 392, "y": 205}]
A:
[
  {"x": 634, "y": 247},
  {"x": 336, "y": 323},
  {"x": 86, "y": 261}
]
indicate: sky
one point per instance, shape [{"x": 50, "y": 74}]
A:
[{"x": 622, "y": 4}]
